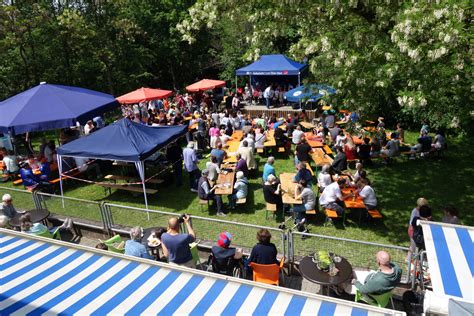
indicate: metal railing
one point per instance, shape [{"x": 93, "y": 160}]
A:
[
  {"x": 360, "y": 254},
  {"x": 290, "y": 244}
]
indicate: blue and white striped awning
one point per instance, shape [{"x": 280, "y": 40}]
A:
[
  {"x": 43, "y": 276},
  {"x": 450, "y": 252}
]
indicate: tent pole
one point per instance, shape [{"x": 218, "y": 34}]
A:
[
  {"x": 141, "y": 171},
  {"x": 236, "y": 83},
  {"x": 60, "y": 168},
  {"x": 299, "y": 79}
]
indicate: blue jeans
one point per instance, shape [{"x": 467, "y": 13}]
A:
[
  {"x": 194, "y": 178},
  {"x": 300, "y": 210},
  {"x": 267, "y": 102}
]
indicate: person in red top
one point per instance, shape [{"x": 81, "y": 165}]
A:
[{"x": 350, "y": 148}]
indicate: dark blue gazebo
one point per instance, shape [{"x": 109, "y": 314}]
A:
[
  {"x": 123, "y": 140},
  {"x": 273, "y": 65},
  {"x": 49, "y": 106}
]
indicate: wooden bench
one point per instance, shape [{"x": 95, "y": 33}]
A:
[
  {"x": 114, "y": 178},
  {"x": 66, "y": 176},
  {"x": 331, "y": 215},
  {"x": 203, "y": 202},
  {"x": 281, "y": 149},
  {"x": 241, "y": 201},
  {"x": 260, "y": 150},
  {"x": 270, "y": 208},
  {"x": 374, "y": 214},
  {"x": 327, "y": 150},
  {"x": 311, "y": 212},
  {"x": 126, "y": 187}
]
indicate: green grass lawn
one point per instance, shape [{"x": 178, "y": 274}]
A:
[{"x": 443, "y": 181}]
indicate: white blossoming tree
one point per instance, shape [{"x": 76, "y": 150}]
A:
[{"x": 409, "y": 61}]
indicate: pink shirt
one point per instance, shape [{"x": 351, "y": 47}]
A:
[{"x": 214, "y": 131}]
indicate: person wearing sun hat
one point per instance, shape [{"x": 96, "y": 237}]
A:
[{"x": 222, "y": 250}]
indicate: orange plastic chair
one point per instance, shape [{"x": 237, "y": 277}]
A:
[{"x": 267, "y": 273}]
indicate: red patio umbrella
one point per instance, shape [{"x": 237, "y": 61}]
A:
[
  {"x": 144, "y": 94},
  {"x": 205, "y": 84}
]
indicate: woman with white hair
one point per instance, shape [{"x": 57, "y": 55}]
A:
[
  {"x": 134, "y": 247},
  {"x": 324, "y": 178},
  {"x": 6, "y": 207},
  {"x": 240, "y": 189}
]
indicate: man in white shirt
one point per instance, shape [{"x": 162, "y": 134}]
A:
[
  {"x": 249, "y": 138},
  {"x": 367, "y": 193},
  {"x": 89, "y": 127},
  {"x": 297, "y": 135},
  {"x": 324, "y": 178},
  {"x": 267, "y": 95},
  {"x": 10, "y": 162},
  {"x": 82, "y": 165},
  {"x": 332, "y": 195}
]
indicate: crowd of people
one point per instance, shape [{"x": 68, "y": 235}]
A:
[{"x": 211, "y": 130}]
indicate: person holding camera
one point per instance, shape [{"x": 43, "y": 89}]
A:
[{"x": 175, "y": 245}]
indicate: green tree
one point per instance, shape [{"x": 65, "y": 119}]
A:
[{"x": 406, "y": 60}]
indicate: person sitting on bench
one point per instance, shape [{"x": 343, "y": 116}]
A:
[{"x": 205, "y": 192}]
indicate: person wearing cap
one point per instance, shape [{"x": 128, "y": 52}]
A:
[
  {"x": 224, "y": 254},
  {"x": 190, "y": 165},
  {"x": 272, "y": 191},
  {"x": 206, "y": 192},
  {"x": 6, "y": 208},
  {"x": 175, "y": 245},
  {"x": 134, "y": 246},
  {"x": 240, "y": 189}
]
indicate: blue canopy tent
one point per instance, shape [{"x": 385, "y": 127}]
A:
[
  {"x": 52, "y": 277},
  {"x": 311, "y": 93},
  {"x": 49, "y": 106},
  {"x": 272, "y": 65},
  {"x": 124, "y": 141}
]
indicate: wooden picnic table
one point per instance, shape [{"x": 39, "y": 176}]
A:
[
  {"x": 313, "y": 140},
  {"x": 231, "y": 150},
  {"x": 307, "y": 125},
  {"x": 320, "y": 158},
  {"x": 237, "y": 135},
  {"x": 270, "y": 142},
  {"x": 225, "y": 183},
  {"x": 288, "y": 186},
  {"x": 356, "y": 202}
]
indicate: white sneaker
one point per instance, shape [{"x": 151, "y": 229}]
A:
[
  {"x": 194, "y": 190},
  {"x": 221, "y": 214}
]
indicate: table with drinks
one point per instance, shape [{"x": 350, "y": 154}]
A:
[{"x": 338, "y": 271}]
